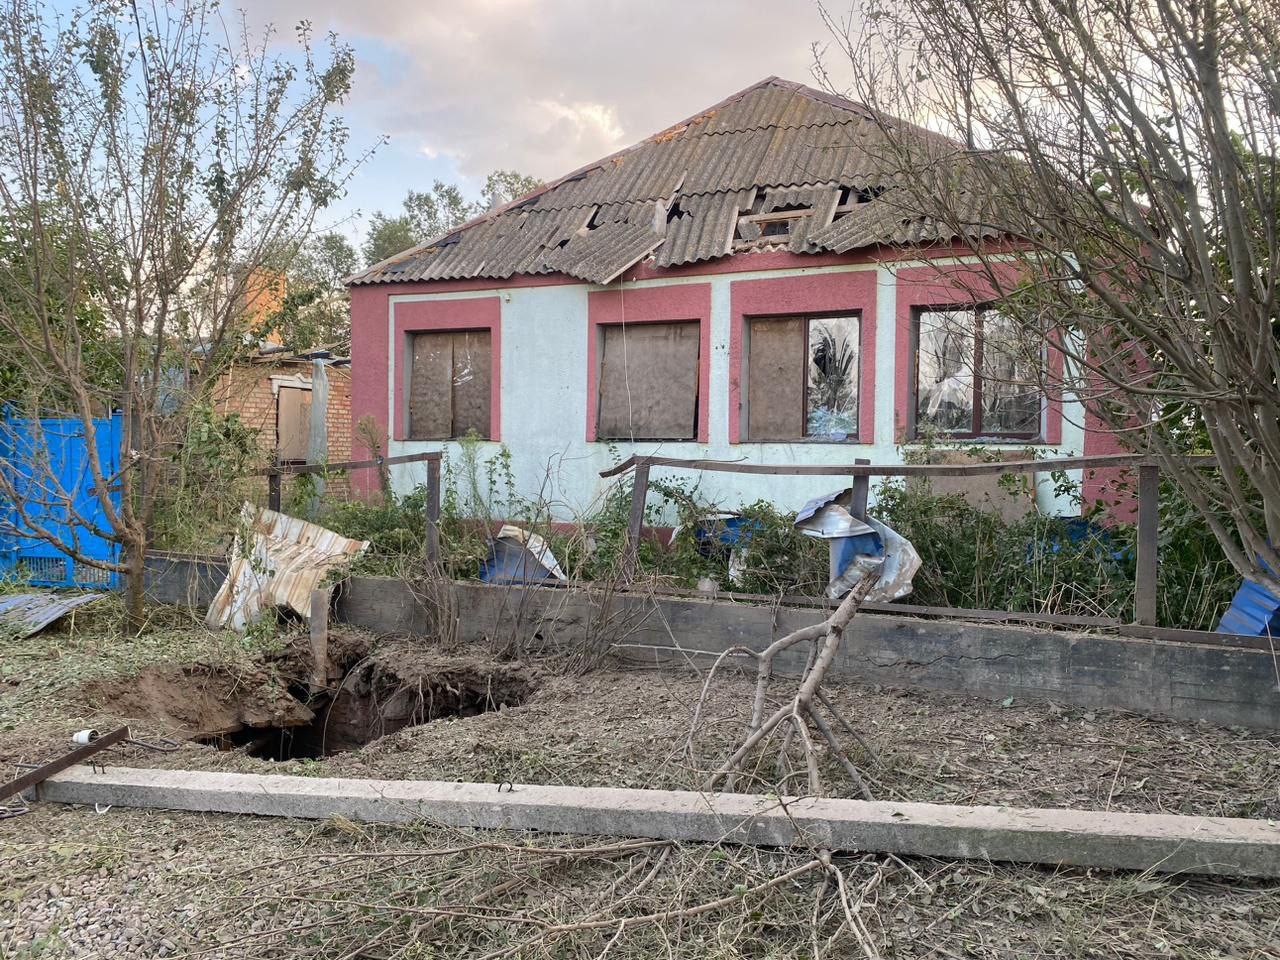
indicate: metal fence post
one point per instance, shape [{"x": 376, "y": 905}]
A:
[
  {"x": 1145, "y": 589},
  {"x": 273, "y": 487},
  {"x": 635, "y": 523},
  {"x": 433, "y": 510},
  {"x": 861, "y": 491}
]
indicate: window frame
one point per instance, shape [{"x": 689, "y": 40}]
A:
[
  {"x": 597, "y": 385},
  {"x": 805, "y": 317},
  {"x": 419, "y": 313},
  {"x": 975, "y": 433}
]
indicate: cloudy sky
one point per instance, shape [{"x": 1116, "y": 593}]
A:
[{"x": 462, "y": 87}]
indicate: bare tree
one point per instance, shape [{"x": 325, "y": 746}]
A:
[
  {"x": 151, "y": 158},
  {"x": 1113, "y": 167}
]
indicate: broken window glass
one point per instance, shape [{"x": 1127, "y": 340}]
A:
[
  {"x": 944, "y": 371},
  {"x": 832, "y": 395},
  {"x": 1010, "y": 377},
  {"x": 802, "y": 378},
  {"x": 977, "y": 374}
]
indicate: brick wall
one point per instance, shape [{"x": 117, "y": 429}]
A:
[{"x": 246, "y": 389}]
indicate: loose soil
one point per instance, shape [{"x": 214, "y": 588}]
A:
[
  {"x": 275, "y": 714},
  {"x": 74, "y": 883}
]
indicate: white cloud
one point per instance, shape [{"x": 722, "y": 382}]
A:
[{"x": 544, "y": 87}]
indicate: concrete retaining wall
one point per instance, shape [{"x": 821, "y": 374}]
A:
[{"x": 1220, "y": 684}]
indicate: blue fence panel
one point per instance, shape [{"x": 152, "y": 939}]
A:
[{"x": 48, "y": 464}]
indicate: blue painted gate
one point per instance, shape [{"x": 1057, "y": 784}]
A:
[{"x": 47, "y": 463}]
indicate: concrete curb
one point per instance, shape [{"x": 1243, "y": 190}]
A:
[{"x": 1157, "y": 842}]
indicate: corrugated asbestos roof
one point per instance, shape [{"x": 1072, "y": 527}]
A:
[{"x": 682, "y": 195}]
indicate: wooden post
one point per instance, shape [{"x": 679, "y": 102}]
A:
[
  {"x": 1144, "y": 601},
  {"x": 320, "y": 636},
  {"x": 861, "y": 490},
  {"x": 639, "y": 493},
  {"x": 273, "y": 488},
  {"x": 433, "y": 510}
]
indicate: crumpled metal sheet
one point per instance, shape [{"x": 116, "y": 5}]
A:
[
  {"x": 286, "y": 558},
  {"x": 26, "y": 614}
]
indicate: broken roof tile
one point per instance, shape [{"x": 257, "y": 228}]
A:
[{"x": 798, "y": 145}]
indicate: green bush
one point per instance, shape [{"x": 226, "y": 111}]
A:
[{"x": 971, "y": 557}]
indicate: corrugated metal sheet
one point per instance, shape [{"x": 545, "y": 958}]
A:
[
  {"x": 25, "y": 614},
  {"x": 1254, "y": 612},
  {"x": 286, "y": 559},
  {"x": 800, "y": 144}
]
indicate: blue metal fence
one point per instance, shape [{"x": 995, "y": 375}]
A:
[{"x": 47, "y": 462}]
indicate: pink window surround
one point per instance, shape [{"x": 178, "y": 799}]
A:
[
  {"x": 922, "y": 287},
  {"x": 824, "y": 293},
  {"x": 688, "y": 301},
  {"x": 431, "y": 316}
]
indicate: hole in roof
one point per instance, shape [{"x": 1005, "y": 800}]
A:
[
  {"x": 562, "y": 244},
  {"x": 592, "y": 222},
  {"x": 867, "y": 194},
  {"x": 676, "y": 212},
  {"x": 776, "y": 228}
]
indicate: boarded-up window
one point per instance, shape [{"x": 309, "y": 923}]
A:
[
  {"x": 293, "y": 423},
  {"x": 802, "y": 378},
  {"x": 449, "y": 381},
  {"x": 649, "y": 381}
]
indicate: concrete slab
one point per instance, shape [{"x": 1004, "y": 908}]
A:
[{"x": 1162, "y": 843}]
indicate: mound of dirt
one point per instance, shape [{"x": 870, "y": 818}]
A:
[
  {"x": 199, "y": 699},
  {"x": 272, "y": 712}
]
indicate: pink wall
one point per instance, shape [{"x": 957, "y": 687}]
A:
[
  {"x": 1114, "y": 488},
  {"x": 820, "y": 293},
  {"x": 426, "y": 316},
  {"x": 370, "y": 354},
  {"x": 652, "y": 305}
]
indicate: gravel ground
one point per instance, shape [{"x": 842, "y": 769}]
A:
[{"x": 77, "y": 883}]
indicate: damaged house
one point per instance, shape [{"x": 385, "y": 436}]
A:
[{"x": 740, "y": 286}]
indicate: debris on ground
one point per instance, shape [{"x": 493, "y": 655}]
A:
[
  {"x": 518, "y": 556},
  {"x": 26, "y": 614},
  {"x": 128, "y": 883},
  {"x": 285, "y": 559}
]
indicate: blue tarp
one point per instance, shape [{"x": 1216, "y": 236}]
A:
[{"x": 47, "y": 462}]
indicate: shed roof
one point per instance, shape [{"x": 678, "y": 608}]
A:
[{"x": 777, "y": 165}]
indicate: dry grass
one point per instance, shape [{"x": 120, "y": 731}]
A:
[{"x": 174, "y": 884}]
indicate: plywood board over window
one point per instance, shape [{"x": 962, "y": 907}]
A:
[
  {"x": 649, "y": 381},
  {"x": 293, "y": 423},
  {"x": 803, "y": 378},
  {"x": 449, "y": 384}
]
